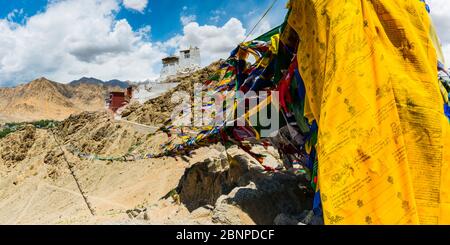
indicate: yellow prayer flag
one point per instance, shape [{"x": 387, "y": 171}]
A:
[{"x": 369, "y": 68}]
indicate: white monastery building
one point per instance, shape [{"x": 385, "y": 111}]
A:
[{"x": 187, "y": 61}]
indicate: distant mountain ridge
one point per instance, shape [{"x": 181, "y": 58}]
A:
[
  {"x": 91, "y": 80},
  {"x": 45, "y": 99}
]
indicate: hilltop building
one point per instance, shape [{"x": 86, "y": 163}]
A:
[
  {"x": 117, "y": 100},
  {"x": 188, "y": 60}
]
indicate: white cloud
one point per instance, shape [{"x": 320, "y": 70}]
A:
[
  {"x": 263, "y": 27},
  {"x": 138, "y": 5},
  {"x": 186, "y": 19},
  {"x": 214, "y": 42},
  {"x": 440, "y": 13},
  {"x": 216, "y": 15},
  {"x": 218, "y": 12},
  {"x": 214, "y": 19},
  {"x": 75, "y": 38},
  {"x": 13, "y": 14},
  {"x": 250, "y": 13}
]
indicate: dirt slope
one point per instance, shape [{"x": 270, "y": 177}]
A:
[
  {"x": 36, "y": 186},
  {"x": 212, "y": 186}
]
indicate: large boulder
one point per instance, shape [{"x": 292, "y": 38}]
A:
[
  {"x": 205, "y": 182},
  {"x": 242, "y": 192}
]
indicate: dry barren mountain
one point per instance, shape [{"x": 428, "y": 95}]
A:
[
  {"x": 210, "y": 186},
  {"x": 45, "y": 99},
  {"x": 45, "y": 180},
  {"x": 110, "y": 83}
]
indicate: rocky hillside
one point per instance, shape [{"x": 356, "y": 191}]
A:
[
  {"x": 45, "y": 99},
  {"x": 47, "y": 174},
  {"x": 158, "y": 110},
  {"x": 207, "y": 187}
]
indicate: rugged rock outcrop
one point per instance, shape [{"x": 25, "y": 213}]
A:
[
  {"x": 205, "y": 182},
  {"x": 156, "y": 111},
  {"x": 97, "y": 133},
  {"x": 242, "y": 192},
  {"x": 14, "y": 148}
]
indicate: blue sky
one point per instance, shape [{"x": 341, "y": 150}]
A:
[
  {"x": 124, "y": 39},
  {"x": 64, "y": 40},
  {"x": 30, "y": 7},
  {"x": 164, "y": 15}
]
